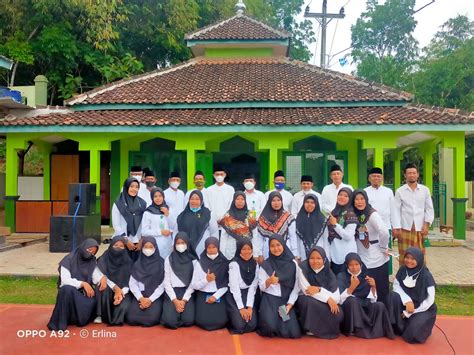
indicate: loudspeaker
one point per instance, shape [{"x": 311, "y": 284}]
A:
[
  {"x": 85, "y": 194},
  {"x": 63, "y": 229}
]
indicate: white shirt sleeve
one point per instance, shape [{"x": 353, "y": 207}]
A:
[
  {"x": 257, "y": 242},
  {"x": 428, "y": 302},
  {"x": 397, "y": 224},
  {"x": 147, "y": 226},
  {"x": 293, "y": 239},
  {"x": 398, "y": 289},
  {"x": 296, "y": 289},
  {"x": 394, "y": 213},
  {"x": 135, "y": 288},
  {"x": 346, "y": 233},
  {"x": 158, "y": 292},
  {"x": 220, "y": 292},
  {"x": 234, "y": 284},
  {"x": 67, "y": 280},
  {"x": 97, "y": 275},
  {"x": 119, "y": 227},
  {"x": 199, "y": 277},
  {"x": 344, "y": 296},
  {"x": 429, "y": 210},
  {"x": 252, "y": 290},
  {"x": 262, "y": 278},
  {"x": 168, "y": 287},
  {"x": 382, "y": 230}
]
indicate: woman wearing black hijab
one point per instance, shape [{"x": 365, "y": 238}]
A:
[
  {"x": 311, "y": 227},
  {"x": 158, "y": 223},
  {"x": 178, "y": 307},
  {"x": 364, "y": 317},
  {"x": 372, "y": 238},
  {"x": 274, "y": 219},
  {"x": 127, "y": 214},
  {"x": 278, "y": 283},
  {"x": 342, "y": 224},
  {"x": 413, "y": 307},
  {"x": 211, "y": 280},
  {"x": 146, "y": 284},
  {"x": 75, "y": 303},
  {"x": 317, "y": 306},
  {"x": 116, "y": 265},
  {"x": 238, "y": 224},
  {"x": 196, "y": 221},
  {"x": 243, "y": 284}
]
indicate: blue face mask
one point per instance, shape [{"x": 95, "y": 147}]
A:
[
  {"x": 195, "y": 209},
  {"x": 279, "y": 185}
]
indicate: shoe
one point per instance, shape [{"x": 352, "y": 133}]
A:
[
  {"x": 98, "y": 320},
  {"x": 309, "y": 333}
]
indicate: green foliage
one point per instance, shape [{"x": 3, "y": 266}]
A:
[{"x": 384, "y": 48}]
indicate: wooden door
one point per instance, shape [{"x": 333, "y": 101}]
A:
[{"x": 64, "y": 171}]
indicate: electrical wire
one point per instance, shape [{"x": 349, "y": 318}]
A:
[{"x": 446, "y": 337}]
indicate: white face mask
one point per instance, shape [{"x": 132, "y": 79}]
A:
[
  {"x": 174, "y": 184},
  {"x": 181, "y": 248},
  {"x": 249, "y": 185},
  {"x": 410, "y": 281},
  {"x": 219, "y": 178},
  {"x": 148, "y": 251},
  {"x": 212, "y": 257}
]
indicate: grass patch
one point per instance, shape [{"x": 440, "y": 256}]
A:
[{"x": 451, "y": 300}]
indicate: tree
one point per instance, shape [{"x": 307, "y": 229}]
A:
[{"x": 384, "y": 48}]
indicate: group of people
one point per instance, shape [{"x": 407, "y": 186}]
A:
[{"x": 275, "y": 263}]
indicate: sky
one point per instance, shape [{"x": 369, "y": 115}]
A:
[{"x": 338, "y": 36}]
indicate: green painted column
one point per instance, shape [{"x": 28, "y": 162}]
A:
[
  {"x": 428, "y": 149},
  {"x": 46, "y": 175},
  {"x": 190, "y": 143},
  {"x": 94, "y": 175},
  {"x": 378, "y": 157},
  {"x": 362, "y": 165},
  {"x": 274, "y": 143},
  {"x": 115, "y": 183},
  {"x": 351, "y": 173},
  {"x": 397, "y": 172},
  {"x": 459, "y": 200},
  {"x": 13, "y": 144}
]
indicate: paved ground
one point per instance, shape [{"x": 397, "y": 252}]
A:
[
  {"x": 449, "y": 265},
  {"x": 96, "y": 339}
]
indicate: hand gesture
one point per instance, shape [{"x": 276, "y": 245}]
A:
[
  {"x": 211, "y": 300},
  {"x": 410, "y": 307},
  {"x": 312, "y": 290},
  {"x": 354, "y": 283},
  {"x": 102, "y": 283},
  {"x": 130, "y": 246},
  {"x": 88, "y": 288},
  {"x": 165, "y": 211},
  {"x": 333, "y": 306},
  {"x": 210, "y": 276},
  {"x": 332, "y": 220}
]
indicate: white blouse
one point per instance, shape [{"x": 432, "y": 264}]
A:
[
  {"x": 374, "y": 256},
  {"x": 137, "y": 287},
  {"x": 200, "y": 283},
  {"x": 236, "y": 284},
  {"x": 341, "y": 247},
  {"x": 68, "y": 280},
  {"x": 275, "y": 290},
  {"x": 322, "y": 242},
  {"x": 171, "y": 281},
  {"x": 372, "y": 296},
  {"x": 120, "y": 226},
  {"x": 260, "y": 242},
  {"x": 152, "y": 225},
  {"x": 323, "y": 295},
  {"x": 110, "y": 283},
  {"x": 424, "y": 306}
]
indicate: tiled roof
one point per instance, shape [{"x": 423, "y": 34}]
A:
[
  {"x": 239, "y": 27},
  {"x": 405, "y": 115},
  {"x": 240, "y": 80}
]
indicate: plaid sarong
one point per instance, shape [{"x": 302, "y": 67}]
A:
[{"x": 410, "y": 239}]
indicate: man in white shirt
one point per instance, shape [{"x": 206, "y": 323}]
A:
[
  {"x": 199, "y": 183},
  {"x": 150, "y": 182},
  {"x": 279, "y": 182},
  {"x": 174, "y": 197},
  {"x": 219, "y": 195},
  {"x": 381, "y": 198},
  {"x": 255, "y": 199},
  {"x": 329, "y": 194},
  {"x": 306, "y": 188},
  {"x": 413, "y": 203}
]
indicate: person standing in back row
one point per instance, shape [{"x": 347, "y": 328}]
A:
[
  {"x": 329, "y": 194},
  {"x": 280, "y": 182}
]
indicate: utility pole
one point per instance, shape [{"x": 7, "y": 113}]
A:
[{"x": 322, "y": 18}]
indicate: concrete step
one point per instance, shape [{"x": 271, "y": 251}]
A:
[{"x": 5, "y": 230}]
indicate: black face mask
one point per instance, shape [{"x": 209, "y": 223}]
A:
[
  {"x": 86, "y": 255},
  {"x": 149, "y": 183}
]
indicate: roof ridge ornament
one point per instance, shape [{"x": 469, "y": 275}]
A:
[{"x": 240, "y": 7}]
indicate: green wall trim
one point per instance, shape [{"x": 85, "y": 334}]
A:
[
  {"x": 455, "y": 128},
  {"x": 231, "y": 105},
  {"x": 238, "y": 52},
  {"x": 459, "y": 210},
  {"x": 192, "y": 43}
]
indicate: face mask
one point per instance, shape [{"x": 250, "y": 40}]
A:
[
  {"x": 138, "y": 176},
  {"x": 318, "y": 270},
  {"x": 279, "y": 185},
  {"x": 195, "y": 209},
  {"x": 148, "y": 251},
  {"x": 199, "y": 183},
  {"x": 410, "y": 281},
  {"x": 212, "y": 257},
  {"x": 249, "y": 185},
  {"x": 219, "y": 178},
  {"x": 149, "y": 183},
  {"x": 181, "y": 248},
  {"x": 86, "y": 255},
  {"x": 174, "y": 184}
]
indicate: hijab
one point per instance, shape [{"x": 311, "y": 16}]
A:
[
  {"x": 283, "y": 266},
  {"x": 325, "y": 277},
  {"x": 182, "y": 263},
  {"x": 149, "y": 270},
  {"x": 420, "y": 273},
  {"x": 80, "y": 262},
  {"x": 131, "y": 207},
  {"x": 154, "y": 208},
  {"x": 116, "y": 264},
  {"x": 364, "y": 215},
  {"x": 238, "y": 214},
  {"x": 237, "y": 222},
  {"x": 273, "y": 221},
  {"x": 310, "y": 226},
  {"x": 219, "y": 266},
  {"x": 344, "y": 277},
  {"x": 247, "y": 267},
  {"x": 344, "y": 215},
  {"x": 194, "y": 223}
]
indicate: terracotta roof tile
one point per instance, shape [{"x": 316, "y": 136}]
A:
[
  {"x": 240, "y": 80},
  {"x": 405, "y": 115},
  {"x": 238, "y": 27}
]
